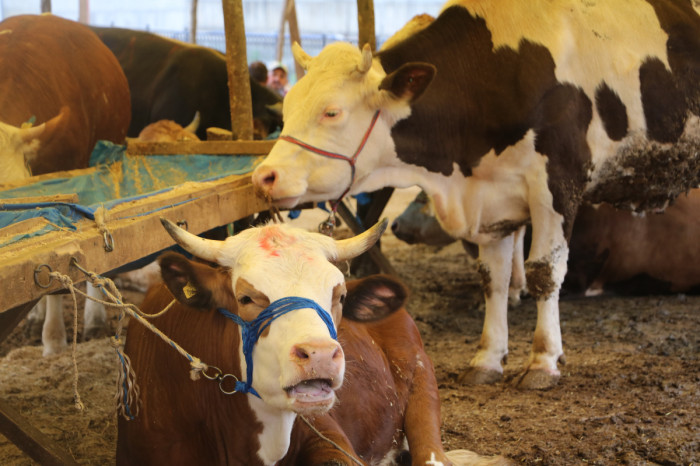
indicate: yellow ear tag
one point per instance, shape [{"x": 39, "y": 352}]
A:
[{"x": 189, "y": 290}]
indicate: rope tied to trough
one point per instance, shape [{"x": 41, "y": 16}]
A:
[{"x": 127, "y": 396}]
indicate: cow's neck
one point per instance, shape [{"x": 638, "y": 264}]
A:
[
  {"x": 276, "y": 434},
  {"x": 471, "y": 108}
]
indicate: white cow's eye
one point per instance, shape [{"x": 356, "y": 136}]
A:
[{"x": 331, "y": 113}]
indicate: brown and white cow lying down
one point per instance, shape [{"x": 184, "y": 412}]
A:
[
  {"x": 369, "y": 390},
  {"x": 609, "y": 250},
  {"x": 60, "y": 74},
  {"x": 504, "y": 113}
]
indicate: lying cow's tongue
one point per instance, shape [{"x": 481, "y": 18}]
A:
[{"x": 311, "y": 390}]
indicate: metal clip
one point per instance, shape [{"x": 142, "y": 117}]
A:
[
  {"x": 328, "y": 226},
  {"x": 182, "y": 224},
  {"x": 217, "y": 373}
]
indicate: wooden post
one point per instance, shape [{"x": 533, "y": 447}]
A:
[
  {"x": 46, "y": 6},
  {"x": 193, "y": 22},
  {"x": 238, "y": 77},
  {"x": 84, "y": 12},
  {"x": 294, "y": 35},
  {"x": 289, "y": 15},
  {"x": 365, "y": 23}
]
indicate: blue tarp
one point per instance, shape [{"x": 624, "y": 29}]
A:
[{"x": 117, "y": 178}]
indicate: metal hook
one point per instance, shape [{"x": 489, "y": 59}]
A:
[
  {"x": 74, "y": 263},
  {"x": 217, "y": 373},
  {"x": 109, "y": 241},
  {"x": 37, "y": 271},
  {"x": 182, "y": 224}
]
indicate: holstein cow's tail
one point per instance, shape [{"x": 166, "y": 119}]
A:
[{"x": 470, "y": 458}]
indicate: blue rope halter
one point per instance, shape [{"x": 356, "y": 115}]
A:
[{"x": 253, "y": 329}]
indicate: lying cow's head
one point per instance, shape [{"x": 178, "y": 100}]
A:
[
  {"x": 19, "y": 146},
  {"x": 297, "y": 364},
  {"x": 329, "y": 119}
]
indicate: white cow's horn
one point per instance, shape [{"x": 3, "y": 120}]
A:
[
  {"x": 366, "y": 61},
  {"x": 300, "y": 56},
  {"x": 206, "y": 249},
  {"x": 353, "y": 247}
]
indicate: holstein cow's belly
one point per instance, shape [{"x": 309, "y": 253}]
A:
[{"x": 645, "y": 175}]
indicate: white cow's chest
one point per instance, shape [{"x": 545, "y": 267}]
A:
[{"x": 493, "y": 201}]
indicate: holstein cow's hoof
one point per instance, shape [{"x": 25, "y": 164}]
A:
[
  {"x": 537, "y": 379},
  {"x": 479, "y": 376}
]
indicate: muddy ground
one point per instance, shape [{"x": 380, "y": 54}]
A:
[{"x": 629, "y": 393}]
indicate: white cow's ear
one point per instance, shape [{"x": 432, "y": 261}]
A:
[
  {"x": 300, "y": 56},
  {"x": 353, "y": 247},
  {"x": 409, "y": 81}
]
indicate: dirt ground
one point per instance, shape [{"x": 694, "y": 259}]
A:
[{"x": 629, "y": 393}]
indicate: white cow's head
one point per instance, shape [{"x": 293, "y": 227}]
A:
[
  {"x": 297, "y": 365},
  {"x": 331, "y": 109},
  {"x": 19, "y": 146}
]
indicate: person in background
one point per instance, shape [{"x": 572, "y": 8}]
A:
[
  {"x": 258, "y": 71},
  {"x": 278, "y": 80}
]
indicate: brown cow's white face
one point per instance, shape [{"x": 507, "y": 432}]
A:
[
  {"x": 297, "y": 365},
  {"x": 331, "y": 108}
]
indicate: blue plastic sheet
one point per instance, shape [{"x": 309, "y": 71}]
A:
[{"x": 117, "y": 178}]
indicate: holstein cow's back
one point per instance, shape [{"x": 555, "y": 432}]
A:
[
  {"x": 505, "y": 112},
  {"x": 172, "y": 80},
  {"x": 57, "y": 74},
  {"x": 279, "y": 278}
]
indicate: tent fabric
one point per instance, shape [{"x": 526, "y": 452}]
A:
[{"x": 116, "y": 178}]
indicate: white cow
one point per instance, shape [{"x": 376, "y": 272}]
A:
[{"x": 527, "y": 109}]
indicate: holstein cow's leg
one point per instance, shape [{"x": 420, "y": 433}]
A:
[
  {"x": 517, "y": 277},
  {"x": 495, "y": 263},
  {"x": 95, "y": 316},
  {"x": 53, "y": 336},
  {"x": 545, "y": 270}
]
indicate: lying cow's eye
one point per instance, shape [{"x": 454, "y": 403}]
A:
[{"x": 245, "y": 300}]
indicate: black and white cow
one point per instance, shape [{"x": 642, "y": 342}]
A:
[{"x": 527, "y": 109}]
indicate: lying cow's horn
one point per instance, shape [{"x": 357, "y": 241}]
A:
[
  {"x": 353, "y": 247},
  {"x": 32, "y": 132},
  {"x": 366, "y": 62},
  {"x": 300, "y": 56},
  {"x": 50, "y": 126},
  {"x": 194, "y": 125},
  {"x": 206, "y": 249}
]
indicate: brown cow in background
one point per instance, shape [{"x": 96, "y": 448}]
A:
[{"x": 61, "y": 90}]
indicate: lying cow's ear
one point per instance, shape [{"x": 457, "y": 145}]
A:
[
  {"x": 409, "y": 81},
  {"x": 193, "y": 284},
  {"x": 373, "y": 298}
]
